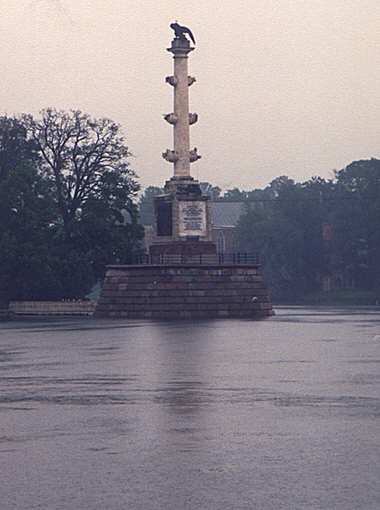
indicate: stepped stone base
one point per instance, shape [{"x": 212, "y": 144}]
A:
[
  {"x": 52, "y": 308},
  {"x": 162, "y": 292}
]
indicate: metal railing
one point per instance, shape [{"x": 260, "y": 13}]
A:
[{"x": 237, "y": 258}]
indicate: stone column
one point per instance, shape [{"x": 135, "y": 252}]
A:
[{"x": 181, "y": 119}]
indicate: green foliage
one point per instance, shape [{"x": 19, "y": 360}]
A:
[
  {"x": 357, "y": 219},
  {"x": 213, "y": 192},
  {"x": 26, "y": 210},
  {"x": 66, "y": 203},
  {"x": 235, "y": 194},
  {"x": 278, "y": 232},
  {"x": 85, "y": 159},
  {"x": 68, "y": 208},
  {"x": 285, "y": 221},
  {"x": 146, "y": 204},
  {"x": 15, "y": 149}
]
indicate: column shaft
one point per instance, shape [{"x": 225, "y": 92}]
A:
[{"x": 181, "y": 110}]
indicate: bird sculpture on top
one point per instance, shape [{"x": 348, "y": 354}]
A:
[{"x": 180, "y": 31}]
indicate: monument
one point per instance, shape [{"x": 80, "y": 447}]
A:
[
  {"x": 183, "y": 276},
  {"x": 183, "y": 224}
]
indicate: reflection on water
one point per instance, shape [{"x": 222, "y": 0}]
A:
[{"x": 282, "y": 413}]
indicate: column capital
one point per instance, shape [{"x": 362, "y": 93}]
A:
[{"x": 180, "y": 47}]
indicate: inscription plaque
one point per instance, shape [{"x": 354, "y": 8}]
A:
[{"x": 192, "y": 219}]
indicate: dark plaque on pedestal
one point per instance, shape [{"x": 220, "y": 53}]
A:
[{"x": 164, "y": 218}]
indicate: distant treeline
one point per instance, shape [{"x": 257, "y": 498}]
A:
[
  {"x": 313, "y": 236},
  {"x": 68, "y": 207},
  {"x": 319, "y": 234}
]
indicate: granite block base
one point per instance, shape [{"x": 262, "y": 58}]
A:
[{"x": 162, "y": 292}]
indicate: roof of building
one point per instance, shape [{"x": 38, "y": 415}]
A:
[{"x": 226, "y": 214}]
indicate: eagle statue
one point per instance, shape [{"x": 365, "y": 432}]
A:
[{"x": 180, "y": 31}]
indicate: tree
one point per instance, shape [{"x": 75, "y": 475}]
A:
[
  {"x": 356, "y": 220},
  {"x": 26, "y": 211},
  {"x": 213, "y": 192},
  {"x": 86, "y": 159},
  {"x": 67, "y": 204},
  {"x": 15, "y": 148},
  {"x": 146, "y": 204},
  {"x": 287, "y": 232},
  {"x": 235, "y": 195},
  {"x": 94, "y": 189}
]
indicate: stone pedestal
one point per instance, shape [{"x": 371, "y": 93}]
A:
[
  {"x": 182, "y": 213},
  {"x": 164, "y": 292}
]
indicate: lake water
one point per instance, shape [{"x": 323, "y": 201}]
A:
[{"x": 278, "y": 414}]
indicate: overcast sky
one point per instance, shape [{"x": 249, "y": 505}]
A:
[{"x": 283, "y": 86}]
